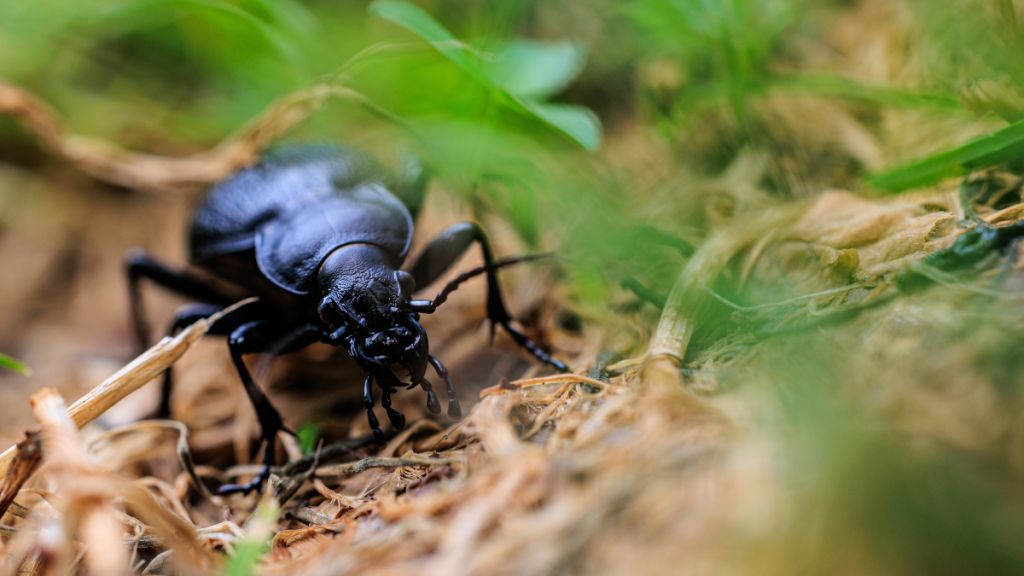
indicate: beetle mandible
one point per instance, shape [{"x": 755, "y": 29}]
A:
[{"x": 320, "y": 234}]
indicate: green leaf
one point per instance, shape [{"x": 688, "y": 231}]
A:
[
  {"x": 575, "y": 122},
  {"x": 250, "y": 549},
  {"x": 286, "y": 14},
  {"x": 532, "y": 68},
  {"x": 415, "y": 20},
  {"x": 1003, "y": 146},
  {"x": 156, "y": 11},
  {"x": 247, "y": 555},
  {"x": 308, "y": 434},
  {"x": 12, "y": 364}
]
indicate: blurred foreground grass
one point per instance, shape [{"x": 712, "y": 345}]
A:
[{"x": 872, "y": 429}]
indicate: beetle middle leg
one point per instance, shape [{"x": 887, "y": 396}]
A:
[
  {"x": 444, "y": 250},
  {"x": 368, "y": 403},
  {"x": 184, "y": 317},
  {"x": 139, "y": 265},
  {"x": 262, "y": 336}
]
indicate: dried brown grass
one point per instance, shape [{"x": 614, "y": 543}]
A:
[
  {"x": 569, "y": 473},
  {"x": 635, "y": 470}
]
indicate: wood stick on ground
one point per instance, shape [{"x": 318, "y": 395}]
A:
[
  {"x": 353, "y": 468},
  {"x": 88, "y": 510},
  {"x": 140, "y": 371},
  {"x": 27, "y": 456}
]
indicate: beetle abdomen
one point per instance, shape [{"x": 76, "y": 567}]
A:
[{"x": 295, "y": 207}]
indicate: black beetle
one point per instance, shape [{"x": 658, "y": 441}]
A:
[{"x": 319, "y": 234}]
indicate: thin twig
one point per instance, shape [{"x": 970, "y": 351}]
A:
[
  {"x": 505, "y": 386},
  {"x": 137, "y": 373},
  {"x": 28, "y": 455},
  {"x": 354, "y": 468}
]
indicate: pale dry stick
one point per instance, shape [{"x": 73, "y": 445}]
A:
[
  {"x": 625, "y": 363},
  {"x": 138, "y": 372},
  {"x": 544, "y": 417},
  {"x": 89, "y": 511}
]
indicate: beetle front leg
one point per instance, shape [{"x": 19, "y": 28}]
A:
[
  {"x": 448, "y": 247},
  {"x": 396, "y": 417},
  {"x": 378, "y": 434},
  {"x": 454, "y": 410},
  {"x": 263, "y": 336},
  {"x": 184, "y": 317},
  {"x": 432, "y": 404}
]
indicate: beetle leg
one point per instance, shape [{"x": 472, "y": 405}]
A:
[
  {"x": 263, "y": 336},
  {"x": 432, "y": 404},
  {"x": 502, "y": 318},
  {"x": 378, "y": 434},
  {"x": 141, "y": 265},
  {"x": 184, "y": 317},
  {"x": 430, "y": 306},
  {"x": 396, "y": 417},
  {"x": 454, "y": 410},
  {"x": 443, "y": 251}
]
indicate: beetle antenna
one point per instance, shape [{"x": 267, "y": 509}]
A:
[{"x": 428, "y": 306}]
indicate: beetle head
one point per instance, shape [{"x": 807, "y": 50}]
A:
[
  {"x": 359, "y": 285},
  {"x": 362, "y": 299}
]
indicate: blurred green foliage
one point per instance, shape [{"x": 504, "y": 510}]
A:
[
  {"x": 725, "y": 47},
  {"x": 249, "y": 551},
  {"x": 501, "y": 98},
  {"x": 866, "y": 494},
  {"x": 308, "y": 435}
]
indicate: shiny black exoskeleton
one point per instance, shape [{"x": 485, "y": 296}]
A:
[{"x": 319, "y": 234}]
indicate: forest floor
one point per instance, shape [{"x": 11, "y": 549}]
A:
[{"x": 864, "y": 421}]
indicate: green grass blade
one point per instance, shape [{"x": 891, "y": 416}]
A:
[
  {"x": 1002, "y": 146},
  {"x": 851, "y": 89},
  {"x": 251, "y": 549},
  {"x": 12, "y": 364},
  {"x": 578, "y": 124}
]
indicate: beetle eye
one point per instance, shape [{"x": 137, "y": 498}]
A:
[
  {"x": 329, "y": 312},
  {"x": 406, "y": 285}
]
